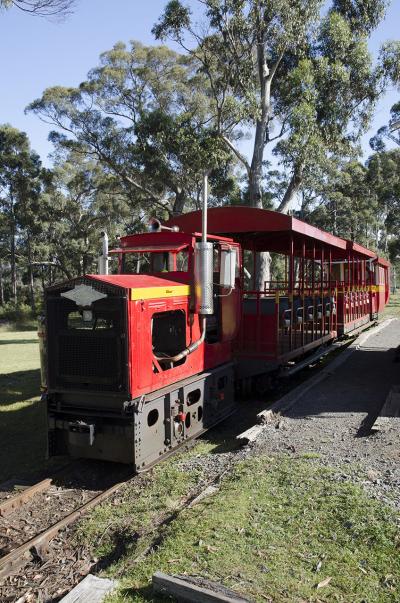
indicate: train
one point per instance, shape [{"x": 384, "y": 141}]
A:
[{"x": 137, "y": 362}]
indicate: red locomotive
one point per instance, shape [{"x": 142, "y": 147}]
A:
[{"x": 140, "y": 361}]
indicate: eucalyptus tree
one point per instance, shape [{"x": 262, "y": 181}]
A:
[
  {"x": 80, "y": 201},
  {"x": 244, "y": 48},
  {"x": 280, "y": 63},
  {"x": 296, "y": 77},
  {"x": 346, "y": 204},
  {"x": 20, "y": 186},
  {"x": 389, "y": 132},
  {"x": 143, "y": 113},
  {"x": 383, "y": 176}
]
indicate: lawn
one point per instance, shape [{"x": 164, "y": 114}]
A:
[
  {"x": 280, "y": 529},
  {"x": 392, "y": 310},
  {"x": 22, "y": 415}
]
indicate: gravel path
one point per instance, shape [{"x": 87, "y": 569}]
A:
[{"x": 327, "y": 418}]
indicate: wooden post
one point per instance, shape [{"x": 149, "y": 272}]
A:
[
  {"x": 254, "y": 268},
  {"x": 303, "y": 260},
  {"x": 182, "y": 589},
  {"x": 330, "y": 291}
]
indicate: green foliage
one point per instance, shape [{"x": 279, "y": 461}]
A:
[
  {"x": 363, "y": 15},
  {"x": 390, "y": 132},
  {"x": 287, "y": 63},
  {"x": 384, "y": 180},
  {"x": 17, "y": 314},
  {"x": 21, "y": 182},
  {"x": 143, "y": 115},
  {"x": 349, "y": 207}
]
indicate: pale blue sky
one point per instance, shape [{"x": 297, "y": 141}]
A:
[{"x": 36, "y": 53}]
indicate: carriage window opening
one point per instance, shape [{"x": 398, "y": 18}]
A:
[
  {"x": 135, "y": 263},
  {"x": 154, "y": 262},
  {"x": 161, "y": 262}
]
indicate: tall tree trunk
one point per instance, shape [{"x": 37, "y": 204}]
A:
[
  {"x": 31, "y": 278},
  {"x": 255, "y": 176},
  {"x": 263, "y": 260},
  {"x": 179, "y": 203},
  {"x": 291, "y": 191},
  {"x": 1, "y": 286},
  {"x": 13, "y": 265}
]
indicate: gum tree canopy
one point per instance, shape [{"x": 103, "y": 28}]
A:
[
  {"x": 280, "y": 71},
  {"x": 21, "y": 177},
  {"x": 144, "y": 114}
]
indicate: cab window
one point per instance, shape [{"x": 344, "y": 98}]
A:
[{"x": 154, "y": 262}]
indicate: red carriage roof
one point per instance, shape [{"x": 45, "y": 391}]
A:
[{"x": 266, "y": 230}]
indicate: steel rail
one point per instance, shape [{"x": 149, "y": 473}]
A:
[
  {"x": 23, "y": 553},
  {"x": 10, "y": 505}
]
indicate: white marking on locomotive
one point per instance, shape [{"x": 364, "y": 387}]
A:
[{"x": 83, "y": 295}]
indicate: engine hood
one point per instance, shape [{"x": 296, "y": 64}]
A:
[{"x": 142, "y": 286}]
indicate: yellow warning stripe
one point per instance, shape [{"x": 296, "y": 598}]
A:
[
  {"x": 371, "y": 288},
  {"x": 377, "y": 288},
  {"x": 158, "y": 292}
]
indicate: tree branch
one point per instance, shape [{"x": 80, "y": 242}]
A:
[{"x": 238, "y": 154}]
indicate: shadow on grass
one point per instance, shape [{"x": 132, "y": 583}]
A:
[
  {"x": 122, "y": 540},
  {"x": 19, "y": 386},
  {"x": 146, "y": 593},
  {"x": 23, "y": 437},
  {"x": 14, "y": 341}
]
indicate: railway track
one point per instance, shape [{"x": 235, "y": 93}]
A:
[{"x": 27, "y": 523}]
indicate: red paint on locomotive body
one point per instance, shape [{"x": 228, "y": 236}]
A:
[{"x": 151, "y": 296}]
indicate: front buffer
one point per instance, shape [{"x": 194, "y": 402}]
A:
[{"x": 148, "y": 428}]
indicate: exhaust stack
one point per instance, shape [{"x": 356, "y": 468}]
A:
[
  {"x": 103, "y": 259},
  {"x": 203, "y": 282},
  {"x": 203, "y": 272}
]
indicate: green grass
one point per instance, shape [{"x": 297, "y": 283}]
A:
[
  {"x": 143, "y": 503},
  {"x": 276, "y": 529},
  {"x": 393, "y": 307},
  {"x": 22, "y": 415}
]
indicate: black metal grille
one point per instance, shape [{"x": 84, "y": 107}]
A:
[{"x": 87, "y": 359}]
